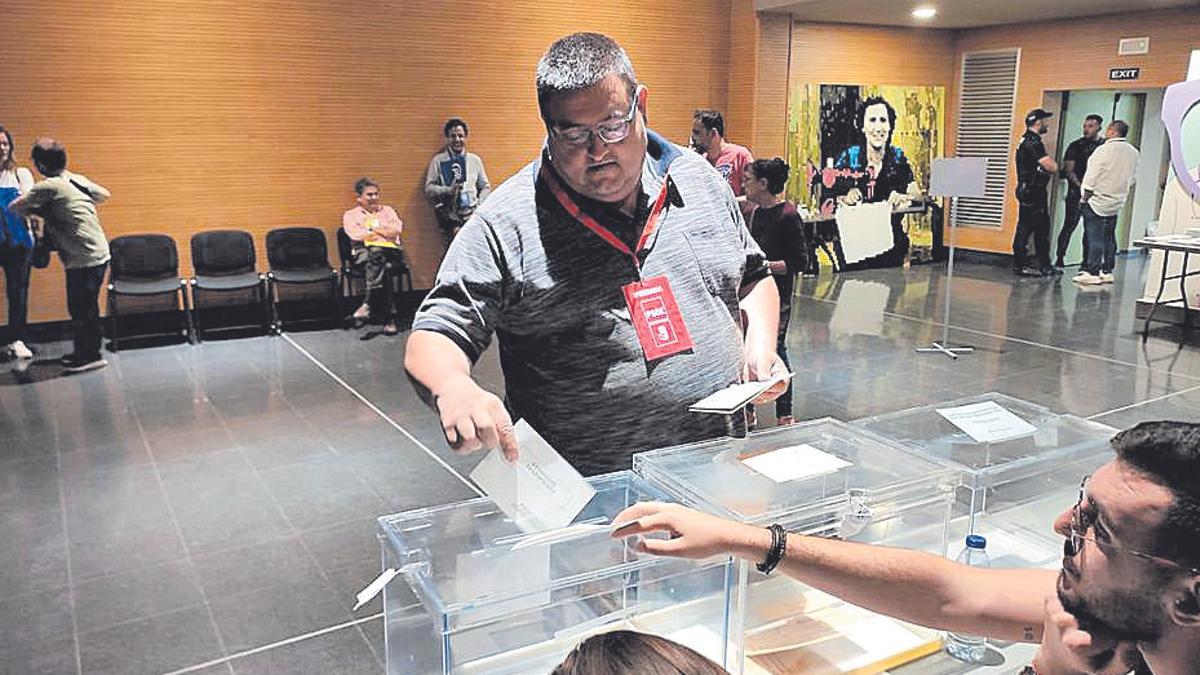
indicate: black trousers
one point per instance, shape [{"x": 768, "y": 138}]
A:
[
  {"x": 17, "y": 262},
  {"x": 1032, "y": 219},
  {"x": 785, "y": 284},
  {"x": 83, "y": 302},
  {"x": 1070, "y": 222}
]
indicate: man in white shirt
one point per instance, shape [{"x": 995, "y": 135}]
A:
[{"x": 1106, "y": 185}]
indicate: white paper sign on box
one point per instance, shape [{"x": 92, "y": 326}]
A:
[
  {"x": 541, "y": 491},
  {"x": 987, "y": 422},
  {"x": 795, "y": 462}
]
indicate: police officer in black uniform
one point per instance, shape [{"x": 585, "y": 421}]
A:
[{"x": 1034, "y": 170}]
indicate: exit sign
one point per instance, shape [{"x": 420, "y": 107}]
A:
[{"x": 1124, "y": 74}]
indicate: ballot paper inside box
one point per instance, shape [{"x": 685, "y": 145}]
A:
[
  {"x": 1015, "y": 477},
  {"x": 822, "y": 478},
  {"x": 496, "y": 599}
]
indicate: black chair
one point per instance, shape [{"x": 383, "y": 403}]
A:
[
  {"x": 351, "y": 272},
  {"x": 224, "y": 261},
  {"x": 299, "y": 256},
  {"x": 143, "y": 266}
]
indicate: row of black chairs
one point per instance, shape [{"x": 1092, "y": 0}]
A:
[{"x": 224, "y": 262}]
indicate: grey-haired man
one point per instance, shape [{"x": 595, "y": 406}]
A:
[{"x": 614, "y": 271}]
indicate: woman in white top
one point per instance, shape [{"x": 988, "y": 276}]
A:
[{"x": 16, "y": 251}]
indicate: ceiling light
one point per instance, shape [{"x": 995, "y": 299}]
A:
[{"x": 924, "y": 13}]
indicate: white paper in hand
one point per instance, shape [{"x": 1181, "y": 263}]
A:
[
  {"x": 734, "y": 397},
  {"x": 541, "y": 491},
  {"x": 987, "y": 422}
]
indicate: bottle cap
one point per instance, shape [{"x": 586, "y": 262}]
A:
[{"x": 976, "y": 541}]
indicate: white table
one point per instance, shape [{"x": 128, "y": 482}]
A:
[{"x": 1169, "y": 244}]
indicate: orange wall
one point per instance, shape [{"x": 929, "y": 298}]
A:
[
  {"x": 200, "y": 114},
  {"x": 1078, "y": 54}
]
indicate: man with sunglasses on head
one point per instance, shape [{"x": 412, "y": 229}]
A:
[
  {"x": 614, "y": 271},
  {"x": 1128, "y": 590}
]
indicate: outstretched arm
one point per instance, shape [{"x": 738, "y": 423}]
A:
[{"x": 917, "y": 587}]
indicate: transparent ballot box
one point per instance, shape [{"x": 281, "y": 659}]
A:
[
  {"x": 822, "y": 478},
  {"x": 494, "y": 599},
  {"x": 1015, "y": 479}
]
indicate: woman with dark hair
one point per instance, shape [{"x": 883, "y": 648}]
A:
[
  {"x": 877, "y": 171},
  {"x": 775, "y": 225},
  {"x": 627, "y": 652},
  {"x": 16, "y": 250}
]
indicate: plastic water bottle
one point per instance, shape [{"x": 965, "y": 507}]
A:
[
  {"x": 970, "y": 648},
  {"x": 464, "y": 199}
]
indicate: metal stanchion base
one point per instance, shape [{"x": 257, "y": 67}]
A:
[{"x": 939, "y": 348}]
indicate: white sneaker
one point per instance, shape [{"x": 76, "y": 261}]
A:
[
  {"x": 20, "y": 351},
  {"x": 1107, "y": 277},
  {"x": 1086, "y": 279},
  {"x": 1081, "y": 275}
]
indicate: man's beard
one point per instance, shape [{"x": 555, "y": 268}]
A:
[{"x": 1125, "y": 615}]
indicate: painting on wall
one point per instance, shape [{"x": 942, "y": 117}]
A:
[{"x": 854, "y": 147}]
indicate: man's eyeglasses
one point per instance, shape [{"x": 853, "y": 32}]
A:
[
  {"x": 609, "y": 131},
  {"x": 1082, "y": 521}
]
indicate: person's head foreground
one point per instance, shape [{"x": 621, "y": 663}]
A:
[
  {"x": 595, "y": 116},
  {"x": 627, "y": 652},
  {"x": 1131, "y": 564},
  {"x": 49, "y": 156}
]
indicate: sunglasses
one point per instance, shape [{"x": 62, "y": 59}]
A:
[{"x": 1178, "y": 101}]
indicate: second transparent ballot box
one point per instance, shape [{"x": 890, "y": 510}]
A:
[
  {"x": 494, "y": 599},
  {"x": 1015, "y": 476},
  {"x": 822, "y": 478}
]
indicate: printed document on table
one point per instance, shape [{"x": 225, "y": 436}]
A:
[
  {"x": 864, "y": 230},
  {"x": 987, "y": 422},
  {"x": 541, "y": 491}
]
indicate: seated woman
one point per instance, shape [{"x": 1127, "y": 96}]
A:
[
  {"x": 375, "y": 230},
  {"x": 625, "y": 651}
]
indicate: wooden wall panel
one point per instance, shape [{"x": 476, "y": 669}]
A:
[
  {"x": 1078, "y": 54},
  {"x": 200, "y": 114},
  {"x": 838, "y": 53},
  {"x": 745, "y": 49},
  {"x": 772, "y": 92}
]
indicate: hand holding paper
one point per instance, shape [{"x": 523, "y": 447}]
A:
[
  {"x": 541, "y": 491},
  {"x": 735, "y": 397},
  {"x": 764, "y": 365},
  {"x": 475, "y": 419}
]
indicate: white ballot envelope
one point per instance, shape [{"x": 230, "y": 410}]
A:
[
  {"x": 734, "y": 397},
  {"x": 987, "y": 422},
  {"x": 541, "y": 491}
]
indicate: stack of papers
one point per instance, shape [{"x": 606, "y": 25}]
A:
[{"x": 735, "y": 397}]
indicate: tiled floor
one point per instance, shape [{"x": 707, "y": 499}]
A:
[{"x": 200, "y": 508}]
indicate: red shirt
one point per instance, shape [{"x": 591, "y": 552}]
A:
[{"x": 732, "y": 162}]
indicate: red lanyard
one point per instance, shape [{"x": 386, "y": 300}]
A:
[{"x": 604, "y": 233}]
